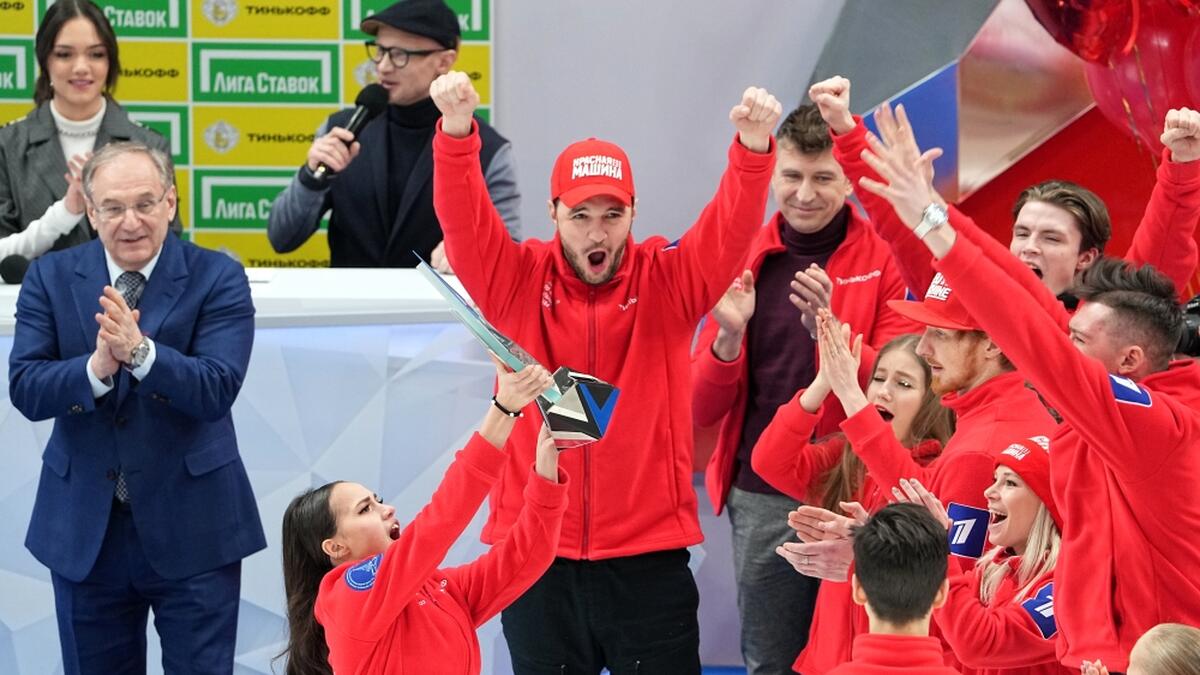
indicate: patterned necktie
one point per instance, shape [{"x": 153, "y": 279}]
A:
[{"x": 130, "y": 286}]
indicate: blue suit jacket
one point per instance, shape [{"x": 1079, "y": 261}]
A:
[{"x": 171, "y": 433}]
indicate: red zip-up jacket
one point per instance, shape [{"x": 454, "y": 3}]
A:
[
  {"x": 632, "y": 491},
  {"x": 1165, "y": 237},
  {"x": 895, "y": 655},
  {"x": 989, "y": 415},
  {"x": 1003, "y": 637},
  {"x": 1121, "y": 468},
  {"x": 864, "y": 278},
  {"x": 786, "y": 458},
  {"x": 396, "y": 612}
]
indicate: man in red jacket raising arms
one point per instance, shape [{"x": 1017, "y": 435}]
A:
[
  {"x": 754, "y": 354},
  {"x": 620, "y": 594},
  {"x": 1124, "y": 464}
]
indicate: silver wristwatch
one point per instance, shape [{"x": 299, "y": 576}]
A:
[
  {"x": 932, "y": 218},
  {"x": 137, "y": 355}
]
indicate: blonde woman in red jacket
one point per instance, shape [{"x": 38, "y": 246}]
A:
[
  {"x": 828, "y": 472},
  {"x": 367, "y": 597},
  {"x": 999, "y": 616}
]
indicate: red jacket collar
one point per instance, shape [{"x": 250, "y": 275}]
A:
[
  {"x": 898, "y": 651},
  {"x": 770, "y": 240}
]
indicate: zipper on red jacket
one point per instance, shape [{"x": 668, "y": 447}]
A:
[{"x": 587, "y": 458}]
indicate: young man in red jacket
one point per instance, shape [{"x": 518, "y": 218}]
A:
[
  {"x": 1059, "y": 228},
  {"x": 1124, "y": 456},
  {"x": 620, "y": 594},
  {"x": 754, "y": 354},
  {"x": 900, "y": 578}
]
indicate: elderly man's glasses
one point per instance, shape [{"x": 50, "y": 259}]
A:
[
  {"x": 110, "y": 212},
  {"x": 398, "y": 55}
]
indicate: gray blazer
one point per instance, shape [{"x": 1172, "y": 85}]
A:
[{"x": 32, "y": 167}]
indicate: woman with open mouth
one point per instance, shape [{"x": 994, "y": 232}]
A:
[
  {"x": 999, "y": 616},
  {"x": 828, "y": 472},
  {"x": 367, "y": 596}
]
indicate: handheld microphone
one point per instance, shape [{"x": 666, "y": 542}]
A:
[
  {"x": 371, "y": 101},
  {"x": 13, "y": 268}
]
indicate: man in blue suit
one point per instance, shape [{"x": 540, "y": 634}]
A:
[{"x": 137, "y": 344}]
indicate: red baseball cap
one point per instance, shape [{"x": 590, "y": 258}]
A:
[
  {"x": 1030, "y": 459},
  {"x": 941, "y": 308},
  {"x": 590, "y": 168}
]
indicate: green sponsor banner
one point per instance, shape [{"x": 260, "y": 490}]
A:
[
  {"x": 140, "y": 18},
  {"x": 16, "y": 69},
  {"x": 169, "y": 120},
  {"x": 229, "y": 199},
  {"x": 226, "y": 72},
  {"x": 485, "y": 113},
  {"x": 474, "y": 17}
]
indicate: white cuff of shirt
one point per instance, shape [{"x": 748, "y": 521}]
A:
[{"x": 99, "y": 387}]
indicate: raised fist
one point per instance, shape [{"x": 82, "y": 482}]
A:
[
  {"x": 832, "y": 97},
  {"x": 755, "y": 118},
  {"x": 456, "y": 97},
  {"x": 1181, "y": 134}
]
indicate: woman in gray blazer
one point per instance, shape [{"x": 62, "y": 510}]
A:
[{"x": 41, "y": 154}]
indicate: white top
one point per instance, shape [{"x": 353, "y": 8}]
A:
[{"x": 76, "y": 138}]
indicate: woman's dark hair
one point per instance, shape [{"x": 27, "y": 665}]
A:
[
  {"x": 307, "y": 522},
  {"x": 57, "y": 15}
]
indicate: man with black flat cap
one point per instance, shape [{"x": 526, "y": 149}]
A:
[{"x": 381, "y": 204}]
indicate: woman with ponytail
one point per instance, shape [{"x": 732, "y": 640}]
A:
[{"x": 366, "y": 596}]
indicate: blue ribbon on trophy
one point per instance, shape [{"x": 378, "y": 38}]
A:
[{"x": 577, "y": 407}]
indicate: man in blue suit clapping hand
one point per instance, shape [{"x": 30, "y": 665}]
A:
[{"x": 137, "y": 345}]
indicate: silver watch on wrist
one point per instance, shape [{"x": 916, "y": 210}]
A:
[
  {"x": 934, "y": 216},
  {"x": 137, "y": 355}
]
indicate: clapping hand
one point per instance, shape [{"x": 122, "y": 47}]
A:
[
  {"x": 912, "y": 492},
  {"x": 812, "y": 291},
  {"x": 74, "y": 200}
]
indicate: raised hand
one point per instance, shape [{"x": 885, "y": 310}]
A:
[
  {"x": 839, "y": 359},
  {"x": 456, "y": 97},
  {"x": 755, "y": 118},
  {"x": 74, "y": 175},
  {"x": 515, "y": 390},
  {"x": 812, "y": 291},
  {"x": 899, "y": 161},
  {"x": 1181, "y": 134},
  {"x": 832, "y": 97},
  {"x": 1093, "y": 668},
  {"x": 911, "y": 491},
  {"x": 335, "y": 150},
  {"x": 546, "y": 459}
]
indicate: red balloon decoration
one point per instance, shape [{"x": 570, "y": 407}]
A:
[
  {"x": 1134, "y": 90},
  {"x": 1094, "y": 30}
]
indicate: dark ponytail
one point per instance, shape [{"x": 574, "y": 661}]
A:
[{"x": 307, "y": 522}]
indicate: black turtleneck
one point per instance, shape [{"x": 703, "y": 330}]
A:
[
  {"x": 409, "y": 130},
  {"x": 781, "y": 356}
]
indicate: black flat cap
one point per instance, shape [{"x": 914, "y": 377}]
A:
[{"x": 431, "y": 18}]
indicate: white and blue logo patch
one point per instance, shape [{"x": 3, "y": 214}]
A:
[
  {"x": 671, "y": 246},
  {"x": 968, "y": 529},
  {"x": 1041, "y": 610},
  {"x": 1127, "y": 391},
  {"x": 361, "y": 577}
]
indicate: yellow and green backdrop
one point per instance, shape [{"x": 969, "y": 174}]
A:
[{"x": 239, "y": 87}]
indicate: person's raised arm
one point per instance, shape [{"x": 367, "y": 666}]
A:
[
  {"x": 718, "y": 361},
  {"x": 477, "y": 245},
  {"x": 362, "y": 599},
  {"x": 711, "y": 253},
  {"x": 1166, "y": 237}
]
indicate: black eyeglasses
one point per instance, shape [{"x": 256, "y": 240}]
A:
[{"x": 398, "y": 55}]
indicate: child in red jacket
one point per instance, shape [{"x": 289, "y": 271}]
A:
[
  {"x": 366, "y": 597},
  {"x": 900, "y": 578},
  {"x": 999, "y": 616}
]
